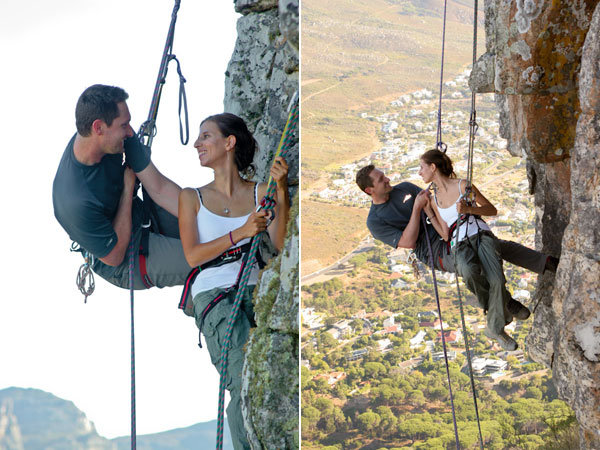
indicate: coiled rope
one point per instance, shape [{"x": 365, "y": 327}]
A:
[{"x": 285, "y": 143}]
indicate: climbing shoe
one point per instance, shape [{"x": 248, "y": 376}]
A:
[
  {"x": 551, "y": 264},
  {"x": 518, "y": 310},
  {"x": 505, "y": 341}
]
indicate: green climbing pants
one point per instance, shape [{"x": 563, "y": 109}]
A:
[
  {"x": 478, "y": 262},
  {"x": 214, "y": 328}
]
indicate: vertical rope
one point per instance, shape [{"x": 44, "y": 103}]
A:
[
  {"x": 285, "y": 143},
  {"x": 131, "y": 269},
  {"x": 437, "y": 299},
  {"x": 468, "y": 351},
  {"x": 473, "y": 115},
  {"x": 440, "y": 145}
]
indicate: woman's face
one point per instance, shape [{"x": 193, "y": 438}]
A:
[
  {"x": 211, "y": 144},
  {"x": 426, "y": 171}
]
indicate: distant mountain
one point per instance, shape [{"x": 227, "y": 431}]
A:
[
  {"x": 31, "y": 419},
  {"x": 197, "y": 437}
]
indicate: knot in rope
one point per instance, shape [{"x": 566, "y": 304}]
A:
[
  {"x": 85, "y": 277},
  {"x": 441, "y": 146}
]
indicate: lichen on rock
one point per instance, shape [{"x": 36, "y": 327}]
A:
[{"x": 547, "y": 84}]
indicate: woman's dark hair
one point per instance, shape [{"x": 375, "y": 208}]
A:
[
  {"x": 245, "y": 144},
  {"x": 441, "y": 161}
]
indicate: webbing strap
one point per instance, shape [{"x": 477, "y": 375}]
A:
[
  {"x": 285, "y": 143},
  {"x": 439, "y": 308}
]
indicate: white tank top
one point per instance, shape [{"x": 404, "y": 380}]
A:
[
  {"x": 211, "y": 226},
  {"x": 468, "y": 228}
]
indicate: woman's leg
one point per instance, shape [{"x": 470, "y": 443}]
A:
[
  {"x": 488, "y": 252},
  {"x": 469, "y": 268},
  {"x": 214, "y": 327}
]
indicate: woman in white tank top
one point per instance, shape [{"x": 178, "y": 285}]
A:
[
  {"x": 476, "y": 250},
  {"x": 221, "y": 217}
]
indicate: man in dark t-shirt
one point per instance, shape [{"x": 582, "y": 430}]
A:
[{"x": 94, "y": 198}]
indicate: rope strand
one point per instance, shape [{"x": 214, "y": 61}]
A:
[{"x": 285, "y": 143}]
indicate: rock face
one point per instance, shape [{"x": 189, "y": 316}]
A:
[
  {"x": 261, "y": 80},
  {"x": 542, "y": 63}
]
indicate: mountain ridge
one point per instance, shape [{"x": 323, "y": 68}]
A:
[{"x": 34, "y": 419}]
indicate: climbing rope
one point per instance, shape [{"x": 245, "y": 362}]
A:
[
  {"x": 148, "y": 128},
  {"x": 441, "y": 146},
  {"x": 473, "y": 127},
  {"x": 146, "y": 135},
  {"x": 132, "y": 254},
  {"x": 468, "y": 353},
  {"x": 285, "y": 143},
  {"x": 439, "y": 308},
  {"x": 439, "y": 143}
]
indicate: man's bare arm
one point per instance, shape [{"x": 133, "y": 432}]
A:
[
  {"x": 122, "y": 222},
  {"x": 162, "y": 190}
]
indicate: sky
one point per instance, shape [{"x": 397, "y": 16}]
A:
[{"x": 50, "y": 339}]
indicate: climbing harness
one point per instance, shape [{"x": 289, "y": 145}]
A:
[{"x": 285, "y": 143}]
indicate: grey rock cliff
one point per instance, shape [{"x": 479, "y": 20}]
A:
[
  {"x": 543, "y": 60},
  {"x": 261, "y": 80}
]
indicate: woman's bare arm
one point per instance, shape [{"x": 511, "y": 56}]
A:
[{"x": 197, "y": 253}]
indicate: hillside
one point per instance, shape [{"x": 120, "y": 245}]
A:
[
  {"x": 358, "y": 57},
  {"x": 31, "y": 419}
]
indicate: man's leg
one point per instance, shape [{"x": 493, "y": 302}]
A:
[
  {"x": 166, "y": 264},
  {"x": 522, "y": 256}
]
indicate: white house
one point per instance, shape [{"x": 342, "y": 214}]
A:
[{"x": 417, "y": 340}]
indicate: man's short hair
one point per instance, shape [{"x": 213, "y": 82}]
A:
[
  {"x": 98, "y": 102},
  {"x": 363, "y": 177}
]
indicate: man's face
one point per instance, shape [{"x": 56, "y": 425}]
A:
[
  {"x": 114, "y": 135},
  {"x": 381, "y": 184}
]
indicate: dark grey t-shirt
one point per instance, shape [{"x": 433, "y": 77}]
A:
[
  {"x": 387, "y": 221},
  {"x": 86, "y": 198}
]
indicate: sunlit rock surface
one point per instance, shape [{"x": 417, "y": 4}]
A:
[{"x": 543, "y": 60}]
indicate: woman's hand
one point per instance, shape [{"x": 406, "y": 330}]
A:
[
  {"x": 279, "y": 171},
  {"x": 256, "y": 223},
  {"x": 462, "y": 207}
]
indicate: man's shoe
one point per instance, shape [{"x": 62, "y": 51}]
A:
[
  {"x": 505, "y": 341},
  {"x": 551, "y": 264},
  {"x": 518, "y": 310}
]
